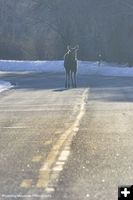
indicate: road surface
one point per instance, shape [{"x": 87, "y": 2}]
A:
[{"x": 58, "y": 144}]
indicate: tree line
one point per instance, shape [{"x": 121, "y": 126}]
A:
[{"x": 41, "y": 29}]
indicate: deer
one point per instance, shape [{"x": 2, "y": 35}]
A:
[{"x": 70, "y": 65}]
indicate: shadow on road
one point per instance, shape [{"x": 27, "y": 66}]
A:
[{"x": 60, "y": 90}]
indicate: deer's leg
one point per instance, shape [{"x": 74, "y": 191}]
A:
[
  {"x": 72, "y": 79},
  {"x": 69, "y": 79},
  {"x": 66, "y": 82},
  {"x": 75, "y": 80}
]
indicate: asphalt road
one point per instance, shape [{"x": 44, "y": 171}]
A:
[{"x": 58, "y": 144}]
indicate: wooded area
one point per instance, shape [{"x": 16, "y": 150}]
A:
[{"x": 41, "y": 29}]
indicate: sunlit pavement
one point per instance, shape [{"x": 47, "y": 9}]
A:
[{"x": 60, "y": 144}]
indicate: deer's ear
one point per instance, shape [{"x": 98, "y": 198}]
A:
[
  {"x": 77, "y": 47},
  {"x": 68, "y": 47}
]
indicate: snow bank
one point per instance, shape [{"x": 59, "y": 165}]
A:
[
  {"x": 4, "y": 85},
  {"x": 35, "y": 66},
  {"x": 105, "y": 69},
  {"x": 84, "y": 67}
]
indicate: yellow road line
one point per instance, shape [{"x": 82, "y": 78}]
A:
[
  {"x": 36, "y": 158},
  {"x": 48, "y": 142},
  {"x": 44, "y": 173},
  {"x": 27, "y": 183}
]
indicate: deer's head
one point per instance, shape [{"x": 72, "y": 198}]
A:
[{"x": 73, "y": 50}]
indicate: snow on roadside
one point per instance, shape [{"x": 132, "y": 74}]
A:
[
  {"x": 84, "y": 67},
  {"x": 31, "y": 66},
  {"x": 4, "y": 85}
]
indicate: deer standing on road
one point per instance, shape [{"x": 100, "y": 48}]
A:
[{"x": 70, "y": 64}]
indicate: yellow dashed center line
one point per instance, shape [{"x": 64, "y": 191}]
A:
[
  {"x": 48, "y": 142},
  {"x": 27, "y": 183},
  {"x": 44, "y": 173},
  {"x": 36, "y": 158},
  {"x": 48, "y": 164}
]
